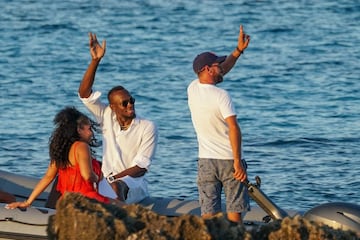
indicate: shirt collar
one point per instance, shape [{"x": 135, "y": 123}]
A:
[{"x": 134, "y": 122}]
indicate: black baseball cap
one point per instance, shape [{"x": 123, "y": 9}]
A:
[{"x": 206, "y": 59}]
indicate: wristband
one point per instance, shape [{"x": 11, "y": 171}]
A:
[
  {"x": 27, "y": 203},
  {"x": 240, "y": 51},
  {"x": 111, "y": 179}
]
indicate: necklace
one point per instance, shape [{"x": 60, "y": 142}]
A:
[{"x": 124, "y": 127}]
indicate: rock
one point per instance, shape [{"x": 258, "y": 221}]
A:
[
  {"x": 78, "y": 217},
  {"x": 298, "y": 228}
]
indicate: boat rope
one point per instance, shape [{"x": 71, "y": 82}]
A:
[{"x": 9, "y": 219}]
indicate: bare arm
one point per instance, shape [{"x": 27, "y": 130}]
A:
[
  {"x": 134, "y": 172},
  {"x": 83, "y": 156},
  {"x": 97, "y": 52},
  {"x": 243, "y": 42},
  {"x": 235, "y": 138},
  {"x": 39, "y": 188}
]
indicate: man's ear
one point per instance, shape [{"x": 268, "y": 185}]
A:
[{"x": 210, "y": 70}]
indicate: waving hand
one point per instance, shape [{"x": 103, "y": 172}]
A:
[{"x": 97, "y": 51}]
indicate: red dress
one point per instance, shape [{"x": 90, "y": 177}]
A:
[{"x": 70, "y": 180}]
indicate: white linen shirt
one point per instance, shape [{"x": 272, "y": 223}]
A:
[
  {"x": 210, "y": 106},
  {"x": 122, "y": 149}
]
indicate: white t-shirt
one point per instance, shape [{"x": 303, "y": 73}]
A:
[{"x": 210, "y": 106}]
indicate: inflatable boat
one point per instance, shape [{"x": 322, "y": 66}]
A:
[{"x": 31, "y": 223}]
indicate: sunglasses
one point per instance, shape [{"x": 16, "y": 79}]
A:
[
  {"x": 126, "y": 102},
  {"x": 209, "y": 66}
]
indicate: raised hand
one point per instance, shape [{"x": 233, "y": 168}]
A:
[
  {"x": 97, "y": 51},
  {"x": 243, "y": 39}
]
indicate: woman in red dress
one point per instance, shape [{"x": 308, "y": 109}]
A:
[{"x": 71, "y": 159}]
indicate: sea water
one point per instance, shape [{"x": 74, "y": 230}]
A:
[{"x": 296, "y": 88}]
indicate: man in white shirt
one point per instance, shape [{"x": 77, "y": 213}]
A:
[
  {"x": 221, "y": 164},
  {"x": 129, "y": 141}
]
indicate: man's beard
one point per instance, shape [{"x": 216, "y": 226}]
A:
[{"x": 218, "y": 79}]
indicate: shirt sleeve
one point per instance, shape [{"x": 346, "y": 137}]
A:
[
  {"x": 226, "y": 106},
  {"x": 94, "y": 105},
  {"x": 147, "y": 149}
]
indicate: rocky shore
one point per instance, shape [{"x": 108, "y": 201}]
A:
[{"x": 78, "y": 217}]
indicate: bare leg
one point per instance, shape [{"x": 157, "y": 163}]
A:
[
  {"x": 121, "y": 190},
  {"x": 207, "y": 215},
  {"x": 234, "y": 217}
]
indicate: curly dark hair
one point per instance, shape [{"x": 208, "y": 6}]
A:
[{"x": 65, "y": 134}]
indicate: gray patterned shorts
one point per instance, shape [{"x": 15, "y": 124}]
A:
[{"x": 215, "y": 175}]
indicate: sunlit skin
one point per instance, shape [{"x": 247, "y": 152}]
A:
[
  {"x": 216, "y": 72},
  {"x": 124, "y": 115},
  {"x": 83, "y": 153},
  {"x": 85, "y": 133}
]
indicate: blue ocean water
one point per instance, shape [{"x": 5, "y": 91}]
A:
[{"x": 296, "y": 88}]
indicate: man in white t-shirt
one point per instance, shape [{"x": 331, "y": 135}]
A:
[
  {"x": 220, "y": 164},
  {"x": 129, "y": 141}
]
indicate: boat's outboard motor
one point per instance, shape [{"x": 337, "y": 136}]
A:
[
  {"x": 264, "y": 201},
  {"x": 339, "y": 215}
]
